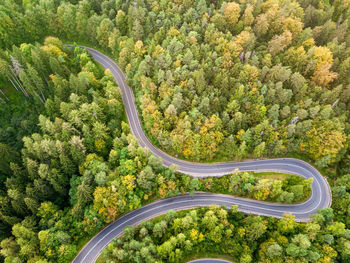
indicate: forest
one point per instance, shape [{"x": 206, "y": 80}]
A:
[
  {"x": 177, "y": 236},
  {"x": 213, "y": 81}
]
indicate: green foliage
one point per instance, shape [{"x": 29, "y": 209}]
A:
[
  {"x": 226, "y": 232},
  {"x": 224, "y": 80},
  {"x": 34, "y": 197},
  {"x": 284, "y": 188},
  {"x": 212, "y": 80}
]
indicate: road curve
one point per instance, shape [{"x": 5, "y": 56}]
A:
[
  {"x": 93, "y": 248},
  {"x": 320, "y": 197}
]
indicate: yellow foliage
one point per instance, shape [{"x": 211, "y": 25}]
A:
[
  {"x": 241, "y": 231},
  {"x": 270, "y": 5},
  {"x": 211, "y": 136},
  {"x": 294, "y": 25},
  {"x": 208, "y": 183},
  {"x": 241, "y": 40},
  {"x": 262, "y": 189},
  {"x": 329, "y": 251},
  {"x": 171, "y": 185},
  {"x": 240, "y": 134},
  {"x": 107, "y": 72},
  {"x": 53, "y": 41},
  {"x": 100, "y": 145},
  {"x": 206, "y": 15},
  {"x": 322, "y": 140},
  {"x": 128, "y": 68},
  {"x": 263, "y": 248},
  {"x": 158, "y": 50},
  {"x": 106, "y": 203},
  {"x": 129, "y": 181},
  {"x": 52, "y": 77},
  {"x": 282, "y": 240},
  {"x": 194, "y": 234},
  {"x": 187, "y": 152},
  {"x": 192, "y": 40},
  {"x": 173, "y": 31},
  {"x": 227, "y": 62},
  {"x": 253, "y": 75},
  {"x": 54, "y": 50},
  {"x": 308, "y": 43},
  {"x": 232, "y": 13},
  {"x": 162, "y": 191},
  {"x": 43, "y": 236},
  {"x": 296, "y": 58},
  {"x": 279, "y": 42},
  {"x": 248, "y": 17},
  {"x": 322, "y": 55},
  {"x": 139, "y": 48},
  {"x": 287, "y": 223},
  {"x": 324, "y": 59},
  {"x": 53, "y": 46},
  {"x": 90, "y": 157},
  {"x": 323, "y": 76},
  {"x": 177, "y": 63}
]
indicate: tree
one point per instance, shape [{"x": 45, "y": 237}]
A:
[
  {"x": 299, "y": 246},
  {"x": 103, "y": 32},
  {"x": 66, "y": 14},
  {"x": 261, "y": 25},
  {"x": 248, "y": 18},
  {"x": 194, "y": 185},
  {"x": 279, "y": 43},
  {"x": 159, "y": 228},
  {"x": 9, "y": 247},
  {"x": 232, "y": 13},
  {"x": 312, "y": 229},
  {"x": 48, "y": 212},
  {"x": 337, "y": 229},
  {"x": 324, "y": 139},
  {"x": 323, "y": 76},
  {"x": 286, "y": 224},
  {"x": 137, "y": 32},
  {"x": 201, "y": 7},
  {"x": 298, "y": 191},
  {"x": 274, "y": 251},
  {"x": 255, "y": 228},
  {"x": 26, "y": 238},
  {"x": 8, "y": 155}
]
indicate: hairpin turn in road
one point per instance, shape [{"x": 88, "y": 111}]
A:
[{"x": 320, "y": 197}]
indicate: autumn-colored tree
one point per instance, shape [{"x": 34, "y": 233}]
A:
[
  {"x": 279, "y": 43},
  {"x": 323, "y": 139},
  {"x": 232, "y": 13}
]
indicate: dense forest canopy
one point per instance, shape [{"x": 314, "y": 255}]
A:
[
  {"x": 218, "y": 80},
  {"x": 177, "y": 236},
  {"x": 213, "y": 80}
]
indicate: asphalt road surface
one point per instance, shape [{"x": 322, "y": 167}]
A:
[{"x": 320, "y": 197}]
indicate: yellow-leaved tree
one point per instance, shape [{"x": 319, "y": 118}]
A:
[
  {"x": 324, "y": 139},
  {"x": 324, "y": 59},
  {"x": 232, "y": 13}
]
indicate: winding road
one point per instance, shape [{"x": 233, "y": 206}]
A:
[{"x": 320, "y": 197}]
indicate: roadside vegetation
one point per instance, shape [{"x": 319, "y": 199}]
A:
[
  {"x": 213, "y": 81},
  {"x": 178, "y": 236},
  {"x": 83, "y": 155},
  {"x": 274, "y": 187}
]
